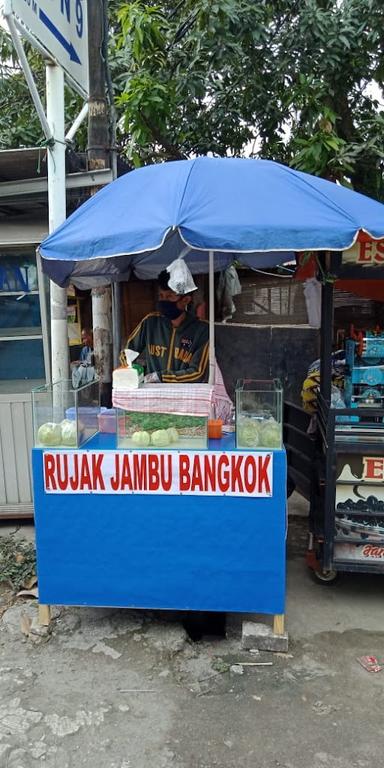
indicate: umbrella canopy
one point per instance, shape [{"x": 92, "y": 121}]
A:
[{"x": 257, "y": 210}]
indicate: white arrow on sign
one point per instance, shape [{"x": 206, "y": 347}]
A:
[{"x": 60, "y": 27}]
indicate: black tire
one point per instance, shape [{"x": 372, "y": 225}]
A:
[{"x": 325, "y": 578}]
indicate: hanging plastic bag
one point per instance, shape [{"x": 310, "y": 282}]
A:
[
  {"x": 312, "y": 294},
  {"x": 337, "y": 400},
  {"x": 180, "y": 278},
  {"x": 83, "y": 374}
]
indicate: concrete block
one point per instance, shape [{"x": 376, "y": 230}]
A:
[
  {"x": 39, "y": 629},
  {"x": 262, "y": 637}
]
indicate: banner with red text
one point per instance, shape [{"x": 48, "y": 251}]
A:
[
  {"x": 359, "y": 508},
  {"x": 175, "y": 472},
  {"x": 365, "y": 252}
]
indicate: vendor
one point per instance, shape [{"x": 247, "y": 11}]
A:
[
  {"x": 87, "y": 342},
  {"x": 175, "y": 343}
]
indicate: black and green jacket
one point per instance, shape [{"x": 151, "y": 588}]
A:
[{"x": 176, "y": 354}]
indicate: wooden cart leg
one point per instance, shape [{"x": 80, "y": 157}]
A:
[
  {"x": 278, "y": 624},
  {"x": 44, "y": 615}
]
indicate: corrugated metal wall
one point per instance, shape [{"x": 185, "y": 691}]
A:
[{"x": 15, "y": 455}]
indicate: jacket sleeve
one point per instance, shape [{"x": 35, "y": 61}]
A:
[
  {"x": 138, "y": 338},
  {"x": 197, "y": 371}
]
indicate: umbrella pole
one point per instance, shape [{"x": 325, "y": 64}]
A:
[{"x": 211, "y": 317}]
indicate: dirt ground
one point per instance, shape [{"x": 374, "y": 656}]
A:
[{"x": 124, "y": 689}]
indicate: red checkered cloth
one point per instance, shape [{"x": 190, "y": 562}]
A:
[
  {"x": 222, "y": 403},
  {"x": 188, "y": 399}
]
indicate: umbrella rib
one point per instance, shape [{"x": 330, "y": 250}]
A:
[
  {"x": 192, "y": 165},
  {"x": 316, "y": 191}
]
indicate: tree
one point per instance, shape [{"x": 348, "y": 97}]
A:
[
  {"x": 286, "y": 80},
  {"x": 20, "y": 125},
  {"x": 297, "y": 81}
]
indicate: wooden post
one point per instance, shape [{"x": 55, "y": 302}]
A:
[
  {"x": 278, "y": 624},
  {"x": 44, "y": 615},
  {"x": 98, "y": 152}
]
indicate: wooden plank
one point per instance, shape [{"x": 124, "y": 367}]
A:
[
  {"x": 21, "y": 454},
  {"x": 16, "y": 441},
  {"x": 8, "y": 450},
  {"x": 278, "y": 624},
  {"x": 3, "y": 496},
  {"x": 17, "y": 397},
  {"x": 44, "y": 615},
  {"x": 30, "y": 441},
  {"x": 16, "y": 511},
  {"x": 29, "y": 427}
]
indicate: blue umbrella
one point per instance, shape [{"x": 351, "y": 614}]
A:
[{"x": 258, "y": 210}]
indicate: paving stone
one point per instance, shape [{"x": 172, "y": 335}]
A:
[
  {"x": 167, "y": 637},
  {"x": 262, "y": 637},
  {"x": 12, "y": 617}
]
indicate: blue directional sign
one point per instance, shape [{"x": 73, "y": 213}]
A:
[{"x": 60, "y": 27}]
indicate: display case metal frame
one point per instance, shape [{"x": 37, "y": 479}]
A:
[{"x": 329, "y": 445}]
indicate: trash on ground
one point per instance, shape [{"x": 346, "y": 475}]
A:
[
  {"x": 28, "y": 593},
  {"x": 237, "y": 669},
  {"x": 371, "y": 663}
]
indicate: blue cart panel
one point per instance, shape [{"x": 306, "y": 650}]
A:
[{"x": 163, "y": 551}]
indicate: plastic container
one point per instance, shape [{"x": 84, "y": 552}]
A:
[
  {"x": 259, "y": 414},
  {"x": 64, "y": 417},
  {"x": 215, "y": 429},
  {"x": 89, "y": 415},
  {"x": 107, "y": 420},
  {"x": 141, "y": 430}
]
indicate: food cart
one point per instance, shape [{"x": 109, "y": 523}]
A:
[
  {"x": 176, "y": 527},
  {"x": 347, "y": 450},
  {"x": 184, "y": 529}
]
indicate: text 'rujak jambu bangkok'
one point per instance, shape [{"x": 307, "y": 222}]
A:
[{"x": 213, "y": 473}]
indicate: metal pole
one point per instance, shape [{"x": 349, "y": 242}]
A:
[
  {"x": 116, "y": 322},
  {"x": 211, "y": 317},
  {"x": 57, "y": 214},
  {"x": 326, "y": 336},
  {"x": 77, "y": 123},
  {"x": 29, "y": 78},
  {"x": 44, "y": 318}
]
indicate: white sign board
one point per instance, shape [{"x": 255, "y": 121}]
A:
[
  {"x": 175, "y": 472},
  {"x": 365, "y": 253},
  {"x": 60, "y": 26}
]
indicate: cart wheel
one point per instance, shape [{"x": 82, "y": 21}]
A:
[{"x": 326, "y": 578}]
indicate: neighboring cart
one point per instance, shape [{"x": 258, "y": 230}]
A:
[
  {"x": 347, "y": 498},
  {"x": 170, "y": 526}
]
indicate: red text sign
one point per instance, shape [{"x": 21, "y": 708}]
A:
[
  {"x": 365, "y": 252},
  {"x": 373, "y": 468},
  {"x": 176, "y": 472}
]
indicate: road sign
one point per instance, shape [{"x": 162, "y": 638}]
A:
[{"x": 60, "y": 26}]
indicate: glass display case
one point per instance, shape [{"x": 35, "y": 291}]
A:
[
  {"x": 259, "y": 414},
  {"x": 143, "y": 430},
  {"x": 64, "y": 417}
]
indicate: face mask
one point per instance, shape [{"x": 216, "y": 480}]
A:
[{"x": 169, "y": 309}]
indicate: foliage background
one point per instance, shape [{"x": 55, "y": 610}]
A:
[{"x": 300, "y": 82}]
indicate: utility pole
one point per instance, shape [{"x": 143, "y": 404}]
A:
[
  {"x": 99, "y": 157},
  {"x": 57, "y": 214}
]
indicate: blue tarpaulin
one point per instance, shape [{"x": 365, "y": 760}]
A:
[{"x": 258, "y": 210}]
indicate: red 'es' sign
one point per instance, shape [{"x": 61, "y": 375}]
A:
[
  {"x": 210, "y": 474},
  {"x": 365, "y": 252},
  {"x": 373, "y": 468}
]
